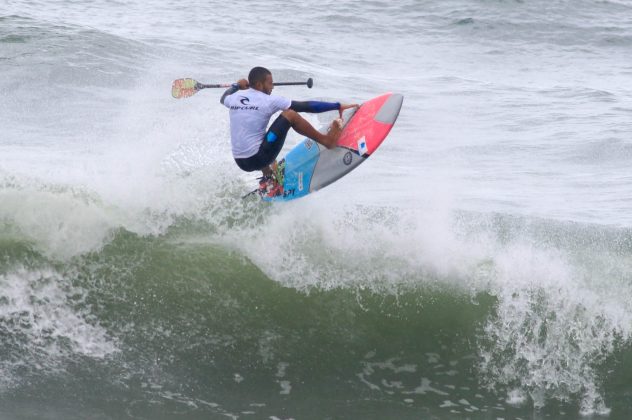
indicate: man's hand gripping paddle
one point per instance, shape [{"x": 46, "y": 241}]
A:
[{"x": 183, "y": 88}]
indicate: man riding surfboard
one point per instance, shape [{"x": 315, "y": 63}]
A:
[{"x": 251, "y": 105}]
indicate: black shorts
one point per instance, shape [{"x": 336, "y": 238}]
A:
[{"x": 270, "y": 148}]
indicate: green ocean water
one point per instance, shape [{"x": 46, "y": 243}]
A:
[{"x": 170, "y": 328}]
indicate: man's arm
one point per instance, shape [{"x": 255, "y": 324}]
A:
[
  {"x": 314, "y": 106},
  {"x": 232, "y": 89},
  {"x": 317, "y": 107},
  {"x": 240, "y": 84}
]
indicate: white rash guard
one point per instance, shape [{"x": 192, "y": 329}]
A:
[{"x": 250, "y": 113}]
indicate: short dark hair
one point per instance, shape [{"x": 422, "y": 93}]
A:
[{"x": 257, "y": 74}]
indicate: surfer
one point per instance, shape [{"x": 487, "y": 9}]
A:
[{"x": 253, "y": 147}]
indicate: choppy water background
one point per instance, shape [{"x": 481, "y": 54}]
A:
[{"x": 478, "y": 266}]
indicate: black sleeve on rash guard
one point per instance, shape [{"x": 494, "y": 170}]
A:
[
  {"x": 232, "y": 89},
  {"x": 314, "y": 106}
]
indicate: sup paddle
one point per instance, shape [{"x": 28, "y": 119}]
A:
[{"x": 183, "y": 88}]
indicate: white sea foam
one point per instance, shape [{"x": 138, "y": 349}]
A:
[
  {"x": 552, "y": 327},
  {"x": 48, "y": 322},
  {"x": 554, "y": 321},
  {"x": 148, "y": 172}
]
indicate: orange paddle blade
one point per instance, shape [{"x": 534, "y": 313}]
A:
[{"x": 183, "y": 88}]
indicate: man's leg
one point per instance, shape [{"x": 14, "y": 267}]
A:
[
  {"x": 302, "y": 126},
  {"x": 273, "y": 143}
]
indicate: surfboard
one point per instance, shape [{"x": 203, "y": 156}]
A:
[{"x": 309, "y": 166}]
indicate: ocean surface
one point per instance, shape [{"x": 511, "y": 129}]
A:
[{"x": 478, "y": 266}]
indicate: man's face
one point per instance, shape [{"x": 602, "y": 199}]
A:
[{"x": 268, "y": 85}]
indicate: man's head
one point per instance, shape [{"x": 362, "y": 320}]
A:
[{"x": 260, "y": 79}]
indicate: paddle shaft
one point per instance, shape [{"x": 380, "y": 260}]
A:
[
  {"x": 309, "y": 84},
  {"x": 184, "y": 88}
]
